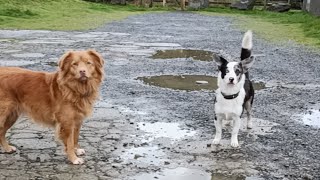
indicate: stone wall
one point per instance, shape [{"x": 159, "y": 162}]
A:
[
  {"x": 312, "y": 6},
  {"x": 198, "y": 4}
]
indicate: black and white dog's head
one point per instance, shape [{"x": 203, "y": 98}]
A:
[{"x": 232, "y": 73}]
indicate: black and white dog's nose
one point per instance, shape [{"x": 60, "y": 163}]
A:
[{"x": 231, "y": 79}]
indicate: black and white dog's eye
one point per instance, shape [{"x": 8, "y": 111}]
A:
[
  {"x": 237, "y": 71},
  {"x": 227, "y": 71}
]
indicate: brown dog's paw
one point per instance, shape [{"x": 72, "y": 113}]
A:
[
  {"x": 78, "y": 161},
  {"x": 10, "y": 149},
  {"x": 80, "y": 152}
]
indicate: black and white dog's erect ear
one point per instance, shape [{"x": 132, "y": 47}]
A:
[
  {"x": 247, "y": 63},
  {"x": 219, "y": 60}
]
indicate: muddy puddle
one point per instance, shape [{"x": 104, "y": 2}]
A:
[
  {"x": 188, "y": 82},
  {"x": 182, "y": 173},
  {"x": 184, "y": 53},
  {"x": 171, "y": 131},
  {"x": 145, "y": 156},
  {"x": 8, "y": 40},
  {"x": 29, "y": 55},
  {"x": 51, "y": 63},
  {"x": 16, "y": 63},
  {"x": 311, "y": 117}
]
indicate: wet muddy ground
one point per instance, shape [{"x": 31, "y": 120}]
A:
[{"x": 142, "y": 131}]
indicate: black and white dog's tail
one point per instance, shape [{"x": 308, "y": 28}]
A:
[{"x": 246, "y": 47}]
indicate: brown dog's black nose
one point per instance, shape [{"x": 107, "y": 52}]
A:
[
  {"x": 82, "y": 72},
  {"x": 231, "y": 79}
]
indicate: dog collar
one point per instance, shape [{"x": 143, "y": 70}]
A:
[{"x": 230, "y": 96}]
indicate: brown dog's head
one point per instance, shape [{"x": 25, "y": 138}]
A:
[{"x": 82, "y": 65}]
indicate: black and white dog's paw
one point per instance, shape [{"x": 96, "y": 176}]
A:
[
  {"x": 216, "y": 141},
  {"x": 234, "y": 143}
]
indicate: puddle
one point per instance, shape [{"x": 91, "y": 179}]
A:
[
  {"x": 292, "y": 85},
  {"x": 260, "y": 126},
  {"x": 182, "y": 173},
  {"x": 130, "y": 50},
  {"x": 158, "y": 44},
  {"x": 28, "y": 55},
  {"x": 184, "y": 53},
  {"x": 145, "y": 155},
  {"x": 311, "y": 117},
  {"x": 258, "y": 85},
  {"x": 86, "y": 35},
  {"x": 164, "y": 130},
  {"x": 48, "y": 41},
  {"x": 16, "y": 63},
  {"x": 53, "y": 64},
  {"x": 8, "y": 40},
  {"x": 118, "y": 34},
  {"x": 11, "y": 51},
  {"x": 188, "y": 82}
]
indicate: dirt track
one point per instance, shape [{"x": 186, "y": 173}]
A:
[{"x": 143, "y": 132}]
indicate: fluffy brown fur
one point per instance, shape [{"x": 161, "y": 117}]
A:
[{"x": 60, "y": 99}]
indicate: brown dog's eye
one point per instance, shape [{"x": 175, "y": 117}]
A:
[
  {"x": 75, "y": 64},
  {"x": 89, "y": 62}
]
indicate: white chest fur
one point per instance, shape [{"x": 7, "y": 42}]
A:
[{"x": 229, "y": 106}]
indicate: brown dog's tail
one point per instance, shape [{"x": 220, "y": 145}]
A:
[{"x": 246, "y": 47}]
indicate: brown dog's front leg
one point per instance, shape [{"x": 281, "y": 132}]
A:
[
  {"x": 76, "y": 133},
  {"x": 67, "y": 136}
]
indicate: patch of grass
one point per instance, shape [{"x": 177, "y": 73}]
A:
[
  {"x": 296, "y": 26},
  {"x": 62, "y": 14},
  {"x": 14, "y": 12}
]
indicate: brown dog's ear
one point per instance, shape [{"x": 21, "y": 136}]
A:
[
  {"x": 97, "y": 57},
  {"x": 64, "y": 59}
]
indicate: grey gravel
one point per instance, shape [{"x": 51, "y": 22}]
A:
[{"x": 127, "y": 45}]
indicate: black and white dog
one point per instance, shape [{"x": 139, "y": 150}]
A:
[{"x": 235, "y": 91}]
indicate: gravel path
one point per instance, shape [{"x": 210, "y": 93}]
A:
[{"x": 147, "y": 132}]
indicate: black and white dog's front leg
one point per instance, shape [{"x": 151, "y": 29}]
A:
[
  {"x": 235, "y": 130},
  {"x": 218, "y": 125}
]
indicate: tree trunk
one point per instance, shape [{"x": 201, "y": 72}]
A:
[
  {"x": 183, "y": 5},
  {"x": 164, "y": 3},
  {"x": 151, "y": 4},
  {"x": 265, "y": 4}
]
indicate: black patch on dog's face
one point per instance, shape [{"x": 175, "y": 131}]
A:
[{"x": 224, "y": 70}]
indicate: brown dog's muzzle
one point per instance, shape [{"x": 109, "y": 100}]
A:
[{"x": 83, "y": 76}]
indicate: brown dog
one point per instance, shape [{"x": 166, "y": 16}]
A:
[{"x": 60, "y": 99}]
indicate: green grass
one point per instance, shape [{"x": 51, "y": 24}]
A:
[
  {"x": 62, "y": 14},
  {"x": 81, "y": 15},
  {"x": 296, "y": 26}
]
